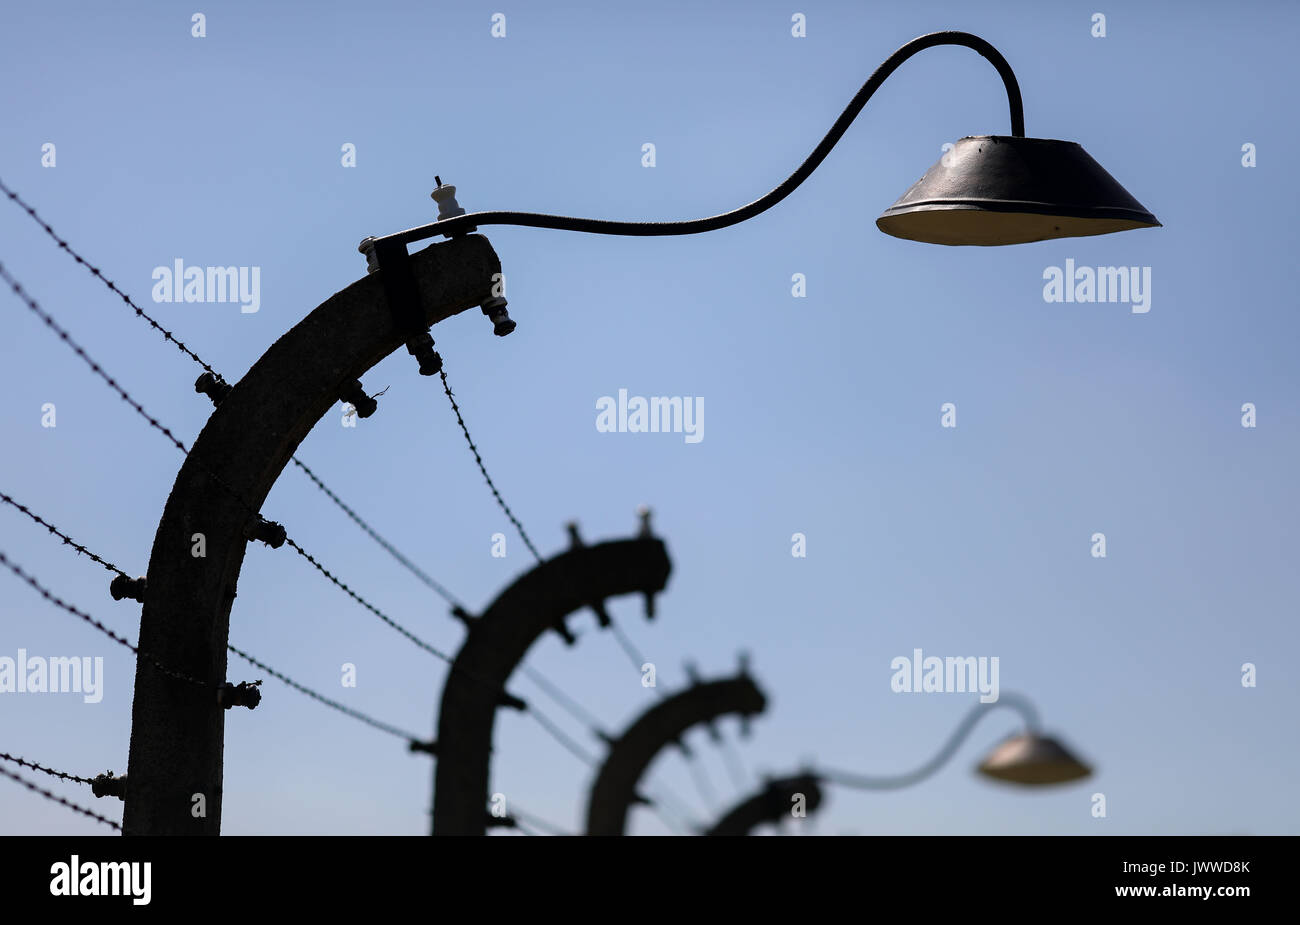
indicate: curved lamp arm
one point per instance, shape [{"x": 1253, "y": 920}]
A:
[
  {"x": 865, "y": 782},
  {"x": 462, "y": 224}
]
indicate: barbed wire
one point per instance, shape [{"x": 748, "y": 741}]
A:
[
  {"x": 407, "y": 634},
  {"x": 483, "y": 469},
  {"x": 95, "y": 271},
  {"x": 53, "y": 325},
  {"x": 58, "y": 799},
  {"x": 62, "y": 775},
  {"x": 64, "y": 605},
  {"x": 392, "y": 550},
  {"x": 67, "y": 540},
  {"x": 321, "y": 698},
  {"x": 349, "y": 711}
]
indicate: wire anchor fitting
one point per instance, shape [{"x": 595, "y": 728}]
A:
[
  {"x": 268, "y": 531},
  {"x": 109, "y": 785},
  {"x": 244, "y": 694},
  {"x": 213, "y": 386},
  {"x": 353, "y": 394},
  {"x": 495, "y": 309},
  {"x": 510, "y": 700},
  {"x": 501, "y": 822},
  {"x": 123, "y": 587}
]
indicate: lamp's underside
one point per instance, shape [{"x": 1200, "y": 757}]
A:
[
  {"x": 969, "y": 224},
  {"x": 1033, "y": 759},
  {"x": 992, "y": 190}
]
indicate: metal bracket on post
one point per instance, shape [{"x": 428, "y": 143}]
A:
[
  {"x": 244, "y": 694},
  {"x": 404, "y": 302},
  {"x": 109, "y": 785},
  {"x": 123, "y": 587}
]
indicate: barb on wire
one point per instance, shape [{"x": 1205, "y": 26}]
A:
[
  {"x": 60, "y": 800},
  {"x": 483, "y": 469},
  {"x": 62, "y": 775}
]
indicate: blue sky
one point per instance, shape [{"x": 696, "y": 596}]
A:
[{"x": 823, "y": 413}]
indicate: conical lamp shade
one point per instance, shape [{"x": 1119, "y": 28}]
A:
[
  {"x": 1033, "y": 759},
  {"x": 1002, "y": 189}
]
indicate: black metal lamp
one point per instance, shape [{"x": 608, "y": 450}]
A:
[{"x": 1008, "y": 189}]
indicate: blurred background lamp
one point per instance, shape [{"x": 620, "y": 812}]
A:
[{"x": 1033, "y": 759}]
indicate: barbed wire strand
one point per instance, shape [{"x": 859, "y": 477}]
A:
[
  {"x": 342, "y": 708},
  {"x": 64, "y": 605},
  {"x": 355, "y": 714},
  {"x": 464, "y": 429},
  {"x": 95, "y": 271},
  {"x": 62, "y": 775},
  {"x": 370, "y": 531},
  {"x": 67, "y": 540},
  {"x": 53, "y": 325},
  {"x": 60, "y": 800}
]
